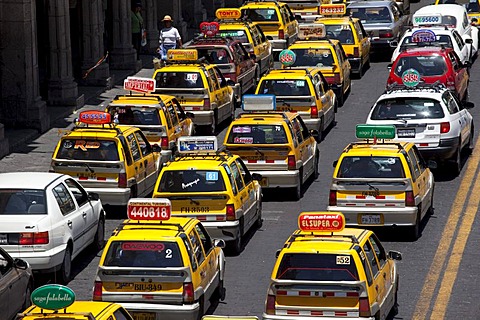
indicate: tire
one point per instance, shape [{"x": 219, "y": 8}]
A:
[
  {"x": 133, "y": 191},
  {"x": 414, "y": 231},
  {"x": 99, "y": 239},
  {"x": 232, "y": 113},
  {"x": 360, "y": 71},
  {"x": 457, "y": 160},
  {"x": 319, "y": 137},
  {"x": 259, "y": 222},
  {"x": 465, "y": 97},
  {"x": 213, "y": 127},
  {"x": 236, "y": 246},
  {"x": 65, "y": 272},
  {"x": 315, "y": 169},
  {"x": 471, "y": 140},
  {"x": 431, "y": 210},
  {"x": 201, "y": 306},
  {"x": 341, "y": 98},
  {"x": 298, "y": 189},
  {"x": 220, "y": 292},
  {"x": 28, "y": 302},
  {"x": 394, "y": 310}
]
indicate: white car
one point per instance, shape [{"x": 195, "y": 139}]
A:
[
  {"x": 449, "y": 15},
  {"x": 449, "y": 38},
  {"x": 47, "y": 219},
  {"x": 429, "y": 116}
]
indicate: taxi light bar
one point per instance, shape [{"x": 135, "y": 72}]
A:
[
  {"x": 209, "y": 29},
  {"x": 228, "y": 13},
  {"x": 259, "y": 102},
  {"x": 182, "y": 54},
  {"x": 157, "y": 209},
  {"x": 365, "y": 131},
  {"x": 137, "y": 84},
  {"x": 432, "y": 19},
  {"x": 200, "y": 144},
  {"x": 94, "y": 117},
  {"x": 97, "y": 291},
  {"x": 312, "y": 31},
  {"x": 321, "y": 221}
]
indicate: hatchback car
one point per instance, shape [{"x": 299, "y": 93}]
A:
[{"x": 48, "y": 219}]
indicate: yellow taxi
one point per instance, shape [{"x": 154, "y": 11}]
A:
[
  {"x": 306, "y": 11},
  {"x": 326, "y": 271},
  {"x": 58, "y": 302},
  {"x": 160, "y": 267},
  {"x": 115, "y": 161},
  {"x": 276, "y": 145},
  {"x": 314, "y": 50},
  {"x": 214, "y": 187},
  {"x": 160, "y": 117},
  {"x": 349, "y": 31},
  {"x": 275, "y": 19},
  {"x": 212, "y": 317},
  {"x": 199, "y": 86},
  {"x": 249, "y": 34},
  {"x": 304, "y": 91},
  {"x": 382, "y": 183}
]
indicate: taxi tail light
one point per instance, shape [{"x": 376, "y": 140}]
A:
[
  {"x": 450, "y": 83},
  {"x": 409, "y": 199},
  {"x": 281, "y": 34},
  {"x": 386, "y": 34},
  {"x": 337, "y": 77},
  {"x": 97, "y": 291},
  {"x": 314, "y": 112},
  {"x": 31, "y": 238},
  {"x": 270, "y": 306},
  {"x": 122, "y": 180},
  {"x": 188, "y": 292},
  {"x": 332, "y": 198},
  {"x": 356, "y": 52},
  {"x": 230, "y": 212},
  {"x": 292, "y": 163},
  {"x": 444, "y": 127},
  {"x": 364, "y": 307},
  {"x": 164, "y": 143},
  {"x": 206, "y": 104}
]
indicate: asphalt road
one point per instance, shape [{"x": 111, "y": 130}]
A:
[{"x": 438, "y": 274}]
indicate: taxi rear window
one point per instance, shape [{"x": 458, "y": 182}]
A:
[
  {"x": 215, "y": 55},
  {"x": 191, "y": 181},
  {"x": 257, "y": 134},
  {"x": 371, "y": 15},
  {"x": 426, "y": 65},
  {"x": 317, "y": 267},
  {"x": 235, "y": 34},
  {"x": 313, "y": 57},
  {"x": 149, "y": 254},
  {"x": 441, "y": 39},
  {"x": 179, "y": 80},
  {"x": 135, "y": 115},
  {"x": 22, "y": 201},
  {"x": 88, "y": 149},
  {"x": 340, "y": 32},
  {"x": 407, "y": 108},
  {"x": 260, "y": 14},
  {"x": 371, "y": 167},
  {"x": 285, "y": 87}
]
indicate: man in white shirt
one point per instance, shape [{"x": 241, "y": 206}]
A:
[{"x": 169, "y": 37}]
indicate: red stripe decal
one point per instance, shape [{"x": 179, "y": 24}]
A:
[
  {"x": 304, "y": 293},
  {"x": 202, "y": 218},
  {"x": 340, "y": 314},
  {"x": 360, "y": 197},
  {"x": 281, "y": 292},
  {"x": 82, "y": 178},
  {"x": 101, "y": 178},
  {"x": 269, "y": 161},
  {"x": 293, "y": 312},
  {"x": 251, "y": 161},
  {"x": 352, "y": 294},
  {"x": 317, "y": 313}
]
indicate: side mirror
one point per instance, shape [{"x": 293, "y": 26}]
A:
[
  {"x": 156, "y": 148},
  {"x": 277, "y": 253},
  {"x": 20, "y": 264},
  {"x": 468, "y": 105},
  {"x": 93, "y": 196},
  {"x": 231, "y": 83},
  {"x": 269, "y": 38},
  {"x": 220, "y": 243},
  {"x": 253, "y": 56},
  {"x": 257, "y": 176},
  {"x": 467, "y": 64},
  {"x": 335, "y": 163},
  {"x": 469, "y": 40},
  {"x": 395, "y": 255},
  {"x": 190, "y": 115},
  {"x": 432, "y": 164}
]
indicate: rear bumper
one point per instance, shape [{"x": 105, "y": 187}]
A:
[
  {"x": 311, "y": 123},
  {"x": 381, "y": 45},
  {"x": 45, "y": 261},
  {"x": 406, "y": 216},
  {"x": 278, "y": 44},
  {"x": 203, "y": 118},
  {"x": 445, "y": 150},
  {"x": 112, "y": 196},
  {"x": 355, "y": 64},
  {"x": 280, "y": 179},
  {"x": 165, "y": 311},
  {"x": 227, "y": 230}
]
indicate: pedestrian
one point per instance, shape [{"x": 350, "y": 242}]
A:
[
  {"x": 137, "y": 25},
  {"x": 169, "y": 37}
]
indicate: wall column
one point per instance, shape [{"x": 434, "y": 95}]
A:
[
  {"x": 62, "y": 88},
  {"x": 3, "y": 141},
  {"x": 20, "y": 103},
  {"x": 123, "y": 55},
  {"x": 93, "y": 44},
  {"x": 151, "y": 25}
]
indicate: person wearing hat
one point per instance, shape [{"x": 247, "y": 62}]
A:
[
  {"x": 169, "y": 37},
  {"x": 137, "y": 25}
]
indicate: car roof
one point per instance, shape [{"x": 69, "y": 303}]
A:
[
  {"x": 94, "y": 307},
  {"x": 275, "y": 117},
  {"x": 315, "y": 43},
  {"x": 150, "y": 99},
  {"x": 369, "y": 4},
  {"x": 289, "y": 73},
  {"x": 335, "y": 20},
  {"x": 139, "y": 230},
  {"x": 444, "y": 9},
  {"x": 412, "y": 93},
  {"x": 199, "y": 161},
  {"x": 30, "y": 180},
  {"x": 437, "y": 30},
  {"x": 386, "y": 148},
  {"x": 98, "y": 131},
  {"x": 422, "y": 51}
]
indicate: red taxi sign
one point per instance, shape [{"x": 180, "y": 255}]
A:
[
  {"x": 333, "y": 9},
  {"x": 228, "y": 13},
  {"x": 209, "y": 29},
  {"x": 94, "y": 117},
  {"x": 312, "y": 31},
  {"x": 137, "y": 84},
  {"x": 182, "y": 54},
  {"x": 158, "y": 209},
  {"x": 321, "y": 221}
]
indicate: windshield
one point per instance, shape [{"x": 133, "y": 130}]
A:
[
  {"x": 407, "y": 108},
  {"x": 317, "y": 267},
  {"x": 235, "y": 34},
  {"x": 440, "y": 39},
  {"x": 260, "y": 14},
  {"x": 257, "y": 134},
  {"x": 214, "y": 55},
  {"x": 150, "y": 254},
  {"x": 27, "y": 201},
  {"x": 179, "y": 80},
  {"x": 191, "y": 181},
  {"x": 371, "y": 167},
  {"x": 341, "y": 32},
  {"x": 427, "y": 66},
  {"x": 470, "y": 5},
  {"x": 313, "y": 58},
  {"x": 371, "y": 15},
  {"x": 88, "y": 149},
  {"x": 285, "y": 88},
  {"x": 135, "y": 115}
]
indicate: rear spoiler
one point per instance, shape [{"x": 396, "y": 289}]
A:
[
  {"x": 63, "y": 163},
  {"x": 388, "y": 184},
  {"x": 330, "y": 286},
  {"x": 129, "y": 274}
]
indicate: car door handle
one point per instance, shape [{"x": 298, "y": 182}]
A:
[
  {"x": 69, "y": 223},
  {"x": 84, "y": 214}
]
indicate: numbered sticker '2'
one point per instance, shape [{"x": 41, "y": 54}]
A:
[{"x": 149, "y": 209}]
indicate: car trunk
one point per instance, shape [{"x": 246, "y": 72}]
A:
[
  {"x": 191, "y": 99},
  {"x": 262, "y": 157},
  {"x": 22, "y": 224}
]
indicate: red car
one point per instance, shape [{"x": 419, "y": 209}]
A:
[{"x": 433, "y": 64}]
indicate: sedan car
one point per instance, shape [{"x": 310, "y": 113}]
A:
[
  {"x": 16, "y": 284},
  {"x": 383, "y": 21},
  {"x": 48, "y": 219}
]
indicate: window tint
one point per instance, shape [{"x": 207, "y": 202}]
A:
[
  {"x": 134, "y": 147},
  {"x": 411, "y": 166},
  {"x": 88, "y": 149},
  {"x": 197, "y": 247},
  {"x": 371, "y": 167},
  {"x": 451, "y": 104},
  {"x": 439, "y": 39},
  {"x": 428, "y": 66},
  {"x": 28, "y": 201},
  {"x": 188, "y": 247},
  {"x": 64, "y": 199},
  {"x": 379, "y": 250},
  {"x": 144, "y": 145},
  {"x": 407, "y": 108},
  {"x": 313, "y": 58},
  {"x": 172, "y": 113},
  {"x": 260, "y": 14},
  {"x": 125, "y": 150},
  {"x": 191, "y": 181},
  {"x": 257, "y": 134},
  {"x": 121, "y": 314},
  {"x": 231, "y": 178},
  {"x": 204, "y": 237},
  {"x": 247, "y": 177},
  {"x": 179, "y": 110},
  {"x": 414, "y": 160},
  {"x": 371, "y": 14},
  {"x": 135, "y": 115},
  {"x": 78, "y": 192},
  {"x": 365, "y": 264},
  {"x": 237, "y": 176},
  {"x": 213, "y": 80},
  {"x": 367, "y": 248},
  {"x": 179, "y": 80},
  {"x": 149, "y": 254},
  {"x": 340, "y": 32}
]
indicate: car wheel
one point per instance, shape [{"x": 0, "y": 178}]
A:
[
  {"x": 28, "y": 302},
  {"x": 394, "y": 310},
  {"x": 414, "y": 231},
  {"x": 213, "y": 127},
  {"x": 220, "y": 292},
  {"x": 465, "y": 97},
  {"x": 236, "y": 246},
  {"x": 430, "y": 210},
  {"x": 259, "y": 222},
  {"x": 319, "y": 137},
  {"x": 360, "y": 71},
  {"x": 65, "y": 272},
  {"x": 232, "y": 112},
  {"x": 201, "y": 306},
  {"x": 99, "y": 240},
  {"x": 457, "y": 160},
  {"x": 298, "y": 188},
  {"x": 471, "y": 140},
  {"x": 315, "y": 169},
  {"x": 341, "y": 98},
  {"x": 133, "y": 191}
]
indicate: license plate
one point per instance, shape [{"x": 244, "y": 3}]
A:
[
  {"x": 3, "y": 238},
  {"x": 264, "y": 182},
  {"x": 194, "y": 209},
  {"x": 138, "y": 286},
  {"x": 406, "y": 133},
  {"x": 371, "y": 219},
  {"x": 143, "y": 315},
  {"x": 87, "y": 176},
  {"x": 284, "y": 108}
]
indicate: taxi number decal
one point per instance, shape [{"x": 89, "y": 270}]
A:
[
  {"x": 194, "y": 209},
  {"x": 144, "y": 212},
  {"x": 211, "y": 176},
  {"x": 300, "y": 83},
  {"x": 192, "y": 76},
  {"x": 343, "y": 259}
]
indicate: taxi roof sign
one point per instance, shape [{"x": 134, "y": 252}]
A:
[
  {"x": 228, "y": 13},
  {"x": 53, "y": 297},
  {"x": 200, "y": 144},
  {"x": 333, "y": 9},
  {"x": 94, "y": 117},
  {"x": 182, "y": 54},
  {"x": 156, "y": 209},
  {"x": 209, "y": 29},
  {"x": 312, "y": 31},
  {"x": 411, "y": 78},
  {"x": 423, "y": 35},
  {"x": 321, "y": 221},
  {"x": 431, "y": 19},
  {"x": 137, "y": 84},
  {"x": 367, "y": 131},
  {"x": 259, "y": 102}
]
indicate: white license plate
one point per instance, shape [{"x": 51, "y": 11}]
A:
[
  {"x": 406, "y": 133},
  {"x": 3, "y": 238},
  {"x": 371, "y": 219}
]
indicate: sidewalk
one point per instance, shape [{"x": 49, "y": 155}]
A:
[{"x": 94, "y": 96}]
